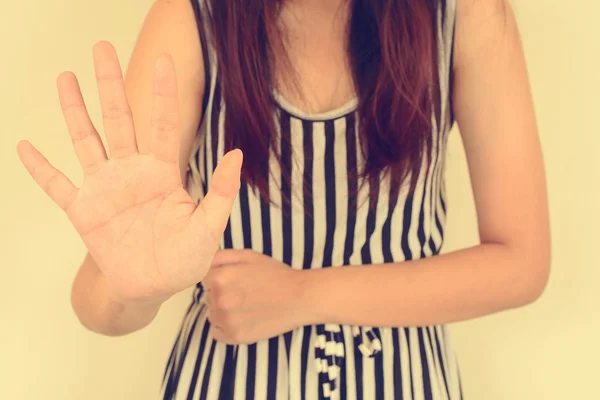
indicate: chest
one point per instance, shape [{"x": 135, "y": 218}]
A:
[
  {"x": 323, "y": 214},
  {"x": 312, "y": 70}
]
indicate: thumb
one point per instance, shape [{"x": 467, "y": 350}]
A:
[
  {"x": 213, "y": 212},
  {"x": 230, "y": 256}
]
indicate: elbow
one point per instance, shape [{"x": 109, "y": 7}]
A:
[
  {"x": 538, "y": 281},
  {"x": 533, "y": 274}
]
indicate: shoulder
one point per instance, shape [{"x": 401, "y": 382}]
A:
[
  {"x": 483, "y": 4},
  {"x": 481, "y": 26},
  {"x": 480, "y": 9}
]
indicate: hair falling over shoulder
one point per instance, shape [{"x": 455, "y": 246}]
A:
[{"x": 392, "y": 47}]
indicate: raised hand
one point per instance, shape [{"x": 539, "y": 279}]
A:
[{"x": 139, "y": 224}]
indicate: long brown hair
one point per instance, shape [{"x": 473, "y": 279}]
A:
[{"x": 392, "y": 48}]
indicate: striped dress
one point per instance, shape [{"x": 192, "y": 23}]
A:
[{"x": 324, "y": 226}]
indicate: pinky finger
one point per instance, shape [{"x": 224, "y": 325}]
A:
[{"x": 52, "y": 181}]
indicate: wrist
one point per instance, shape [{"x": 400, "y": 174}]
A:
[
  {"x": 123, "y": 317},
  {"x": 306, "y": 301},
  {"x": 144, "y": 307},
  {"x": 137, "y": 302},
  {"x": 100, "y": 309}
]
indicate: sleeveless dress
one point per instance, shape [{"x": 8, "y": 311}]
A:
[{"x": 323, "y": 361}]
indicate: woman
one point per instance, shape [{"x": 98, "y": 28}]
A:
[{"x": 342, "y": 111}]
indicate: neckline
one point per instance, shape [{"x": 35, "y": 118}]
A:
[{"x": 335, "y": 113}]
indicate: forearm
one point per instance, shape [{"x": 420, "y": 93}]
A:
[
  {"x": 99, "y": 311},
  {"x": 458, "y": 286},
  {"x": 167, "y": 28}
]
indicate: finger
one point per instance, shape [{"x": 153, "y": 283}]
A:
[
  {"x": 86, "y": 141},
  {"x": 218, "y": 333},
  {"x": 213, "y": 318},
  {"x": 206, "y": 282},
  {"x": 230, "y": 256},
  {"x": 52, "y": 181},
  {"x": 116, "y": 114},
  {"x": 164, "y": 138},
  {"x": 219, "y": 329},
  {"x": 213, "y": 212},
  {"x": 206, "y": 301}
]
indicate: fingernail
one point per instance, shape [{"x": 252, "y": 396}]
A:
[{"x": 99, "y": 51}]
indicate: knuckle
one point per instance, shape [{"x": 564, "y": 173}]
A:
[
  {"x": 209, "y": 298},
  {"x": 219, "y": 281},
  {"x": 223, "y": 303},
  {"x": 91, "y": 167},
  {"x": 109, "y": 80},
  {"x": 72, "y": 107},
  {"x": 211, "y": 317},
  {"x": 231, "y": 329},
  {"x": 116, "y": 113},
  {"x": 223, "y": 318},
  {"x": 221, "y": 188},
  {"x": 79, "y": 135},
  {"x": 108, "y": 77},
  {"x": 218, "y": 335},
  {"x": 234, "y": 338},
  {"x": 164, "y": 125},
  {"x": 49, "y": 183}
]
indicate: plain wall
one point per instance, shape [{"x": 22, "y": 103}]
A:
[{"x": 548, "y": 351}]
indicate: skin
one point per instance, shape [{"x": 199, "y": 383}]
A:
[
  {"x": 508, "y": 269},
  {"x": 493, "y": 107},
  {"x": 146, "y": 238}
]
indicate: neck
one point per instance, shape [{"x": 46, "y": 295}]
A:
[
  {"x": 300, "y": 15},
  {"x": 319, "y": 5}
]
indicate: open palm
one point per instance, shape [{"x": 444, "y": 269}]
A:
[{"x": 139, "y": 224}]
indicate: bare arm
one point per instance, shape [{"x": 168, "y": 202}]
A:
[
  {"x": 170, "y": 27},
  {"x": 511, "y": 265}
]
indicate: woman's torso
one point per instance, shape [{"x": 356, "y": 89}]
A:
[{"x": 323, "y": 225}]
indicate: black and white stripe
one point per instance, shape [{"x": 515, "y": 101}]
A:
[{"x": 326, "y": 224}]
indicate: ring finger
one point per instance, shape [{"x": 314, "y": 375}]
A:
[{"x": 86, "y": 141}]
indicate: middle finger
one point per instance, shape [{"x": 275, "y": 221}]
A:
[{"x": 116, "y": 113}]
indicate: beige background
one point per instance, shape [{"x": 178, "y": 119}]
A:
[{"x": 548, "y": 351}]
